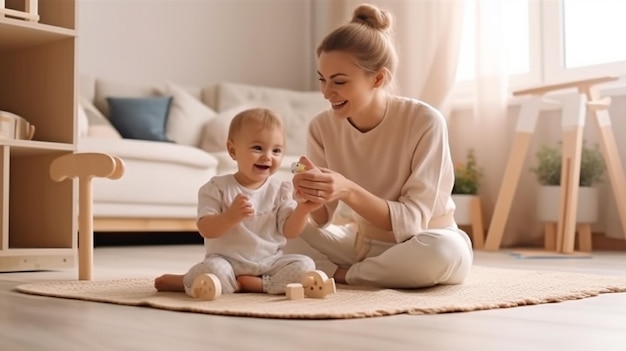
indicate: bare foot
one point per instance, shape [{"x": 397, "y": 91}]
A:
[
  {"x": 340, "y": 275},
  {"x": 170, "y": 282},
  {"x": 250, "y": 283}
]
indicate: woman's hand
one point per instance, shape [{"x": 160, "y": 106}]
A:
[{"x": 319, "y": 185}]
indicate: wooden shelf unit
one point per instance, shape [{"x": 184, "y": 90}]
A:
[{"x": 38, "y": 219}]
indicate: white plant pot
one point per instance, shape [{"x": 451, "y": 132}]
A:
[
  {"x": 463, "y": 212},
  {"x": 548, "y": 204}
]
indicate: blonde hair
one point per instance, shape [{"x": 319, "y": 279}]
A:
[
  {"x": 259, "y": 117},
  {"x": 368, "y": 37}
]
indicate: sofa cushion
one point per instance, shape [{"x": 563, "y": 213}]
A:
[
  {"x": 215, "y": 131},
  {"x": 151, "y": 151},
  {"x": 142, "y": 118},
  {"x": 187, "y": 116},
  {"x": 161, "y": 178},
  {"x": 98, "y": 125},
  {"x": 296, "y": 108},
  {"x": 82, "y": 121},
  {"x": 209, "y": 95},
  {"x": 113, "y": 88}
]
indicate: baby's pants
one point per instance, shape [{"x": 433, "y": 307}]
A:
[
  {"x": 276, "y": 272},
  {"x": 436, "y": 256}
]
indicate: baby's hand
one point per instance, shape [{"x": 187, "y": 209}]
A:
[{"x": 240, "y": 208}]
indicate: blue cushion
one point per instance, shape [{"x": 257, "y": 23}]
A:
[{"x": 142, "y": 118}]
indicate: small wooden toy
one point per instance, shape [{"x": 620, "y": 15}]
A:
[
  {"x": 295, "y": 291},
  {"x": 315, "y": 284},
  {"x": 206, "y": 287},
  {"x": 297, "y": 167}
]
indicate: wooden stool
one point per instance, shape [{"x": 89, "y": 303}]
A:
[
  {"x": 85, "y": 166},
  {"x": 575, "y": 107},
  {"x": 583, "y": 231}
]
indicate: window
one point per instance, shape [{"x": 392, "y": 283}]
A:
[
  {"x": 587, "y": 25},
  {"x": 584, "y": 39},
  {"x": 516, "y": 29},
  {"x": 553, "y": 41}
]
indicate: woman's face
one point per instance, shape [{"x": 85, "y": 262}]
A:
[{"x": 347, "y": 86}]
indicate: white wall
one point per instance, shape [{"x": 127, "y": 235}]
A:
[{"x": 197, "y": 42}]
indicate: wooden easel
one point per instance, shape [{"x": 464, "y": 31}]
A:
[{"x": 574, "y": 112}]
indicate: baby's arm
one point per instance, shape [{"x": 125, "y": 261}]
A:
[
  {"x": 215, "y": 225},
  {"x": 297, "y": 220}
]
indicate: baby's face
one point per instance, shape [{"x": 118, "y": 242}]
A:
[{"x": 259, "y": 153}]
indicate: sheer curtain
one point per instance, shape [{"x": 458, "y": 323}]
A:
[{"x": 493, "y": 125}]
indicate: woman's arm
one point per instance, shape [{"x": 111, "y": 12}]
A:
[
  {"x": 369, "y": 206},
  {"x": 333, "y": 186}
]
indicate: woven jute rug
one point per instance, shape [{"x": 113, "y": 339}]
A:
[{"x": 485, "y": 288}]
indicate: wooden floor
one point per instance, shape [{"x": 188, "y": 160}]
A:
[{"x": 32, "y": 323}]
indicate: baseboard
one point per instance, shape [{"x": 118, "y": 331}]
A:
[{"x": 601, "y": 242}]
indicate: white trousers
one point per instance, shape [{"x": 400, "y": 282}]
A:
[
  {"x": 276, "y": 272},
  {"x": 436, "y": 256}
]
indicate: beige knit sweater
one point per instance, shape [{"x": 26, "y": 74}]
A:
[{"x": 404, "y": 160}]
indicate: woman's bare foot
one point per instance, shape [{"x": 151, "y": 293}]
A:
[
  {"x": 340, "y": 275},
  {"x": 250, "y": 283},
  {"x": 170, "y": 282}
]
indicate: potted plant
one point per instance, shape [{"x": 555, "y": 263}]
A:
[
  {"x": 467, "y": 176},
  {"x": 548, "y": 172}
]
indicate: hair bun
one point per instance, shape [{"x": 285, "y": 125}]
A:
[{"x": 372, "y": 16}]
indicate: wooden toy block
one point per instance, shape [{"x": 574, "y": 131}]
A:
[
  {"x": 85, "y": 166},
  {"x": 317, "y": 284},
  {"x": 30, "y": 13},
  {"x": 295, "y": 291},
  {"x": 206, "y": 287}
]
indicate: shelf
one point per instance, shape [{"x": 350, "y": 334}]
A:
[
  {"x": 34, "y": 147},
  {"x": 18, "y": 34},
  {"x": 38, "y": 215}
]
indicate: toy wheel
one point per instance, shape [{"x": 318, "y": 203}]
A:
[{"x": 206, "y": 287}]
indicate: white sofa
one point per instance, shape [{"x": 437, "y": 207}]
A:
[{"x": 158, "y": 191}]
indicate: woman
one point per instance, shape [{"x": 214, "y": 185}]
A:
[{"x": 386, "y": 158}]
